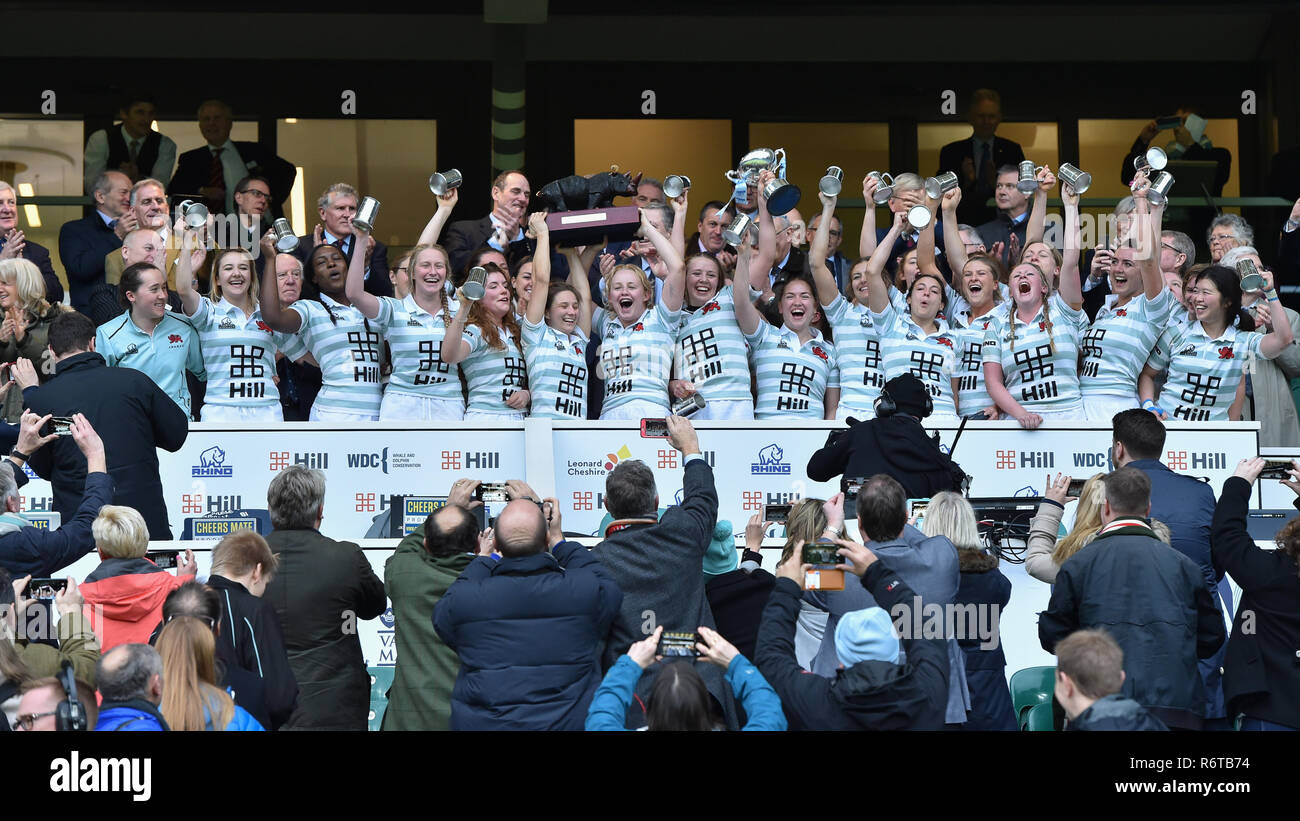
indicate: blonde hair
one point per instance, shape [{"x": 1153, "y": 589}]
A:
[
  {"x": 120, "y": 532},
  {"x": 30, "y": 282},
  {"x": 188, "y": 651},
  {"x": 1047, "y": 317},
  {"x": 949, "y": 514},
  {"x": 807, "y": 522},
  {"x": 641, "y": 278},
  {"x": 1087, "y": 520},
  {"x": 413, "y": 256},
  {"x": 214, "y": 287}
]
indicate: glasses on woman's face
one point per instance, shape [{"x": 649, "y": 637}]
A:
[
  {"x": 1218, "y": 239},
  {"x": 28, "y": 720}
]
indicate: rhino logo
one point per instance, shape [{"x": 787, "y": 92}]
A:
[
  {"x": 212, "y": 463},
  {"x": 770, "y": 461}
]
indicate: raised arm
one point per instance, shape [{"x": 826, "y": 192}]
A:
[
  {"x": 1148, "y": 251},
  {"x": 678, "y": 234},
  {"x": 1038, "y": 208},
  {"x": 191, "y": 258},
  {"x": 578, "y": 265},
  {"x": 542, "y": 266},
  {"x": 454, "y": 348},
  {"x": 1068, "y": 284},
  {"x": 355, "y": 285},
  {"x": 747, "y": 315},
  {"x": 822, "y": 276},
  {"x": 433, "y": 229},
  {"x": 675, "y": 283},
  {"x": 284, "y": 320},
  {"x": 867, "y": 239},
  {"x": 925, "y": 258},
  {"x": 877, "y": 296},
  {"x": 952, "y": 244}
]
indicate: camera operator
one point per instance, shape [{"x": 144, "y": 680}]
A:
[{"x": 894, "y": 443}]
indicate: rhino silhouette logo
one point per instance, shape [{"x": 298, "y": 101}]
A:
[
  {"x": 770, "y": 455},
  {"x": 212, "y": 462},
  {"x": 770, "y": 461}
]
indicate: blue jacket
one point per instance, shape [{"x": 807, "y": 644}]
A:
[
  {"x": 130, "y": 716},
  {"x": 984, "y": 586},
  {"x": 241, "y": 721},
  {"x": 762, "y": 705},
  {"x": 528, "y": 631},
  {"x": 45, "y": 552}
]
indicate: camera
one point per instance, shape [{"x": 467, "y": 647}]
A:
[
  {"x": 678, "y": 645},
  {"x": 654, "y": 429},
  {"x": 45, "y": 589},
  {"x": 777, "y": 513},
  {"x": 61, "y": 425},
  {"x": 165, "y": 559},
  {"x": 1276, "y": 469},
  {"x": 850, "y": 488},
  {"x": 491, "y": 492},
  {"x": 822, "y": 554},
  {"x": 1075, "y": 490}
]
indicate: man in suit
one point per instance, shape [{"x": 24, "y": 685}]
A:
[
  {"x": 1012, "y": 221},
  {"x": 133, "y": 147},
  {"x": 337, "y": 206},
  {"x": 707, "y": 238},
  {"x": 503, "y": 229},
  {"x": 215, "y": 170},
  {"x": 839, "y": 264},
  {"x": 13, "y": 244},
  {"x": 84, "y": 244},
  {"x": 975, "y": 160},
  {"x": 149, "y": 205}
]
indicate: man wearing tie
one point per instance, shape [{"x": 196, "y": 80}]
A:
[
  {"x": 976, "y": 159},
  {"x": 215, "y": 170},
  {"x": 133, "y": 147},
  {"x": 14, "y": 245},
  {"x": 337, "y": 206},
  {"x": 503, "y": 229},
  {"x": 85, "y": 243}
]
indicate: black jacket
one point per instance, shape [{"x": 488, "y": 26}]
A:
[
  {"x": 320, "y": 590},
  {"x": 737, "y": 600},
  {"x": 83, "y": 244},
  {"x": 1114, "y": 712},
  {"x": 377, "y": 283},
  {"x": 985, "y": 586},
  {"x": 45, "y": 552},
  {"x": 192, "y": 169},
  {"x": 134, "y": 418},
  {"x": 1163, "y": 618},
  {"x": 1261, "y": 671},
  {"x": 251, "y": 641},
  {"x": 463, "y": 237},
  {"x": 870, "y": 695},
  {"x": 973, "y": 209},
  {"x": 896, "y": 445}
]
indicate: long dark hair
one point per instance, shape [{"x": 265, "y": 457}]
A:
[
  {"x": 131, "y": 280},
  {"x": 311, "y": 291},
  {"x": 778, "y": 290},
  {"x": 1225, "y": 279},
  {"x": 487, "y": 325},
  {"x": 679, "y": 700}
]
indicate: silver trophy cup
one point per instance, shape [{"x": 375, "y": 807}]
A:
[
  {"x": 1158, "y": 193},
  {"x": 690, "y": 405},
  {"x": 1155, "y": 159},
  {"x": 285, "y": 239},
  {"x": 736, "y": 232},
  {"x": 884, "y": 187},
  {"x": 936, "y": 187},
  {"x": 1080, "y": 181},
  {"x": 443, "y": 182},
  {"x": 833, "y": 182},
  {"x": 366, "y": 212},
  {"x": 475, "y": 284},
  {"x": 194, "y": 213},
  {"x": 1252, "y": 281},
  {"x": 781, "y": 197},
  {"x": 675, "y": 185},
  {"x": 918, "y": 216},
  {"x": 1028, "y": 181}
]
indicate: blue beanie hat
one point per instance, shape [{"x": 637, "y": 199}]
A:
[
  {"x": 721, "y": 555},
  {"x": 866, "y": 635}
]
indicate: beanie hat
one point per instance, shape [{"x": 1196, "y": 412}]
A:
[
  {"x": 866, "y": 635},
  {"x": 721, "y": 556},
  {"x": 909, "y": 395}
]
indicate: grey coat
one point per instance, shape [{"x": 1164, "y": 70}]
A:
[{"x": 1273, "y": 407}]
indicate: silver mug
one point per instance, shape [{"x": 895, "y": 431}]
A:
[
  {"x": 443, "y": 183},
  {"x": 1158, "y": 193},
  {"x": 936, "y": 187},
  {"x": 1028, "y": 181},
  {"x": 918, "y": 216},
  {"x": 736, "y": 233},
  {"x": 781, "y": 196},
  {"x": 1155, "y": 159},
  {"x": 690, "y": 405},
  {"x": 194, "y": 213},
  {"x": 475, "y": 284},
  {"x": 1252, "y": 282},
  {"x": 884, "y": 187},
  {"x": 366, "y": 212},
  {"x": 675, "y": 185},
  {"x": 832, "y": 182},
  {"x": 285, "y": 239},
  {"x": 1070, "y": 175}
]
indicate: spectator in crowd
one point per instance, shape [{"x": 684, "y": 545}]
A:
[
  {"x": 656, "y": 561},
  {"x": 24, "y": 656},
  {"x": 216, "y": 169},
  {"x": 1012, "y": 222},
  {"x": 130, "y": 681},
  {"x": 502, "y": 229},
  {"x": 928, "y": 564},
  {"x": 1186, "y": 505},
  {"x": 975, "y": 160},
  {"x": 708, "y": 238},
  {"x": 14, "y": 245},
  {"x": 133, "y": 147},
  {"x": 33, "y": 550},
  {"x": 337, "y": 206},
  {"x": 200, "y": 602},
  {"x": 416, "y": 577},
  {"x": 39, "y": 707},
  {"x": 149, "y": 205},
  {"x": 1166, "y": 629},
  {"x": 737, "y": 593},
  {"x": 86, "y": 243},
  {"x": 1260, "y": 669},
  {"x": 542, "y": 674},
  {"x": 320, "y": 589},
  {"x": 252, "y": 219},
  {"x": 1094, "y": 273},
  {"x": 134, "y": 413},
  {"x": 1045, "y": 554},
  {"x": 192, "y": 700},
  {"x": 299, "y": 382},
  {"x": 839, "y": 265},
  {"x": 901, "y": 259},
  {"x": 981, "y": 599},
  {"x": 24, "y": 332},
  {"x": 400, "y": 276},
  {"x": 679, "y": 700},
  {"x": 141, "y": 245},
  {"x": 871, "y": 688},
  {"x": 1226, "y": 232},
  {"x": 124, "y": 594},
  {"x": 248, "y": 634},
  {"x": 1188, "y": 143},
  {"x": 894, "y": 443},
  {"x": 1268, "y": 393},
  {"x": 1089, "y": 674},
  {"x": 649, "y": 192}
]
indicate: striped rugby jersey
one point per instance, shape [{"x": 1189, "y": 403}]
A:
[
  {"x": 1040, "y": 371},
  {"x": 1203, "y": 372},
  {"x": 635, "y": 361},
  {"x": 493, "y": 374},
  {"x": 557, "y": 371},
  {"x": 1116, "y": 346},
  {"x": 711, "y": 350},
  {"x": 857, "y": 346},
  {"x": 415, "y": 338},
  {"x": 347, "y": 350},
  {"x": 239, "y": 355},
  {"x": 930, "y": 358},
  {"x": 792, "y": 378}
]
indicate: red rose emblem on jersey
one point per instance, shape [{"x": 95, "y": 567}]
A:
[
  {"x": 1121, "y": 312},
  {"x": 820, "y": 354},
  {"x": 638, "y": 327},
  {"x": 262, "y": 326},
  {"x": 1042, "y": 326},
  {"x": 1226, "y": 352},
  {"x": 712, "y": 306},
  {"x": 943, "y": 340},
  {"x": 577, "y": 349},
  {"x": 174, "y": 339}
]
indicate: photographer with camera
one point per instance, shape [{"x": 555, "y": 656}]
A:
[
  {"x": 679, "y": 700},
  {"x": 25, "y": 549},
  {"x": 870, "y": 689},
  {"x": 894, "y": 443},
  {"x": 528, "y": 627}
]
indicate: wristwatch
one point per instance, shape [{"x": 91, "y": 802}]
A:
[{"x": 18, "y": 454}]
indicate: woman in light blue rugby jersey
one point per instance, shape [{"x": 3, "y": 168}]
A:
[{"x": 483, "y": 338}]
